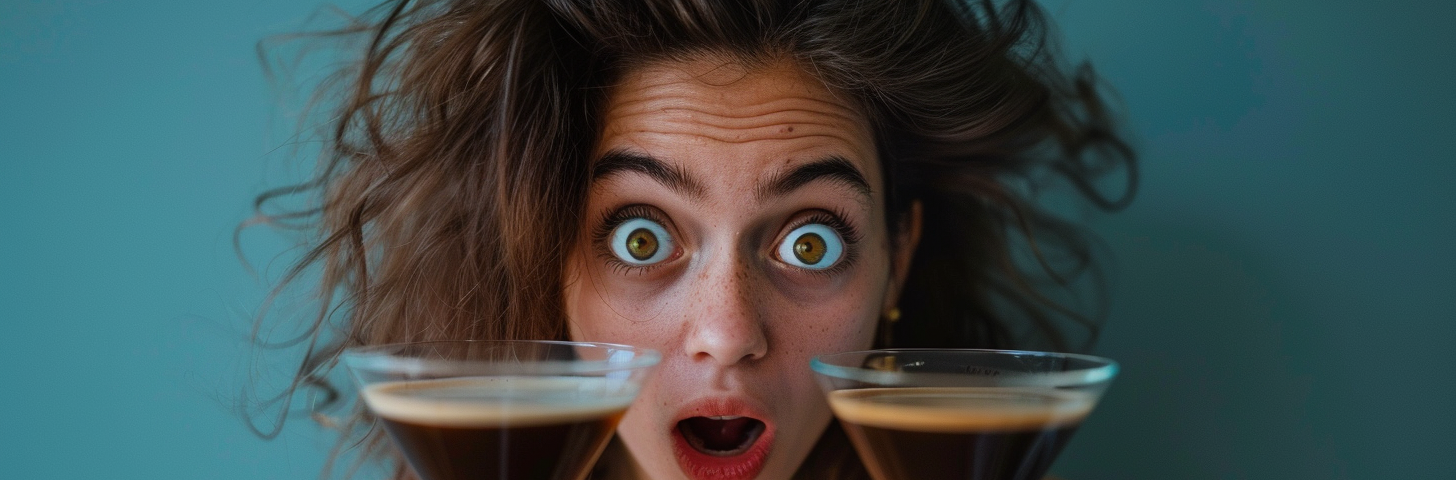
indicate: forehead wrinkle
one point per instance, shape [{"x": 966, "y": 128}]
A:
[
  {"x": 784, "y": 117},
  {"x": 669, "y": 99},
  {"x": 669, "y": 111},
  {"x": 694, "y": 107},
  {"x": 738, "y": 137},
  {"x": 780, "y": 125}
]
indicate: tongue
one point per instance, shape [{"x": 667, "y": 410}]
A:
[{"x": 721, "y": 435}]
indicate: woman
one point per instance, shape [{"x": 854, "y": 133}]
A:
[{"x": 740, "y": 185}]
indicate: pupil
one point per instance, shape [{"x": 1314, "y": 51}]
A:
[
  {"x": 809, "y": 248},
  {"x": 641, "y": 244}
]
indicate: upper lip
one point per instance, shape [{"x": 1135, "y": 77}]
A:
[{"x": 729, "y": 406}]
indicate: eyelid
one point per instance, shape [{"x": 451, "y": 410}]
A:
[
  {"x": 832, "y": 243},
  {"x": 832, "y": 219},
  {"x": 612, "y": 219},
  {"x": 665, "y": 245},
  {"x": 835, "y": 220}
]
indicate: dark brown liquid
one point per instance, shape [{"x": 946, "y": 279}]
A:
[
  {"x": 553, "y": 451},
  {"x": 981, "y": 441},
  {"x": 508, "y": 428}
]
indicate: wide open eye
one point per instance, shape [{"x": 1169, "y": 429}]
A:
[
  {"x": 814, "y": 246},
  {"x": 640, "y": 241}
]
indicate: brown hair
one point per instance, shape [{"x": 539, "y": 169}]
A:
[{"x": 454, "y": 174}]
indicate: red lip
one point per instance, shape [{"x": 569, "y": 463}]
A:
[{"x": 700, "y": 466}]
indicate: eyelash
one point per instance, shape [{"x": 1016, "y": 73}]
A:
[
  {"x": 612, "y": 219},
  {"x": 847, "y": 232},
  {"x": 615, "y": 218}
]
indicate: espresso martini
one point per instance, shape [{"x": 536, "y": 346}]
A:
[{"x": 475, "y": 428}]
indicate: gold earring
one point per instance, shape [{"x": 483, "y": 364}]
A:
[{"x": 887, "y": 329}]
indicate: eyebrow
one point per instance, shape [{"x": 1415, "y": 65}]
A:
[
  {"x": 673, "y": 176},
  {"x": 833, "y": 168}
]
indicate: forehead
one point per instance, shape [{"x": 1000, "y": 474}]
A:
[{"x": 712, "y": 113}]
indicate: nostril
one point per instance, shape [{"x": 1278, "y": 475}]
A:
[{"x": 727, "y": 341}]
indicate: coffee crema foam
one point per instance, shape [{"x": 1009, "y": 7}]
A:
[
  {"x": 954, "y": 410},
  {"x": 499, "y": 401}
]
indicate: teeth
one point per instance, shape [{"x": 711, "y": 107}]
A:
[{"x": 727, "y": 417}]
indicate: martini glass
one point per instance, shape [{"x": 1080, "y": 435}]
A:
[
  {"x": 500, "y": 409},
  {"x": 961, "y": 414}
]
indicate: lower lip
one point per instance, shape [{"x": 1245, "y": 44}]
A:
[{"x": 701, "y": 466}]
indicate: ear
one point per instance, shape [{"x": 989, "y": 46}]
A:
[{"x": 907, "y": 237}]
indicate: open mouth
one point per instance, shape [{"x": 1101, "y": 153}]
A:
[
  {"x": 721, "y": 436},
  {"x": 724, "y": 440}
]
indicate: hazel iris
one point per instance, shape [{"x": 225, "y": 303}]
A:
[
  {"x": 809, "y": 248},
  {"x": 641, "y": 244}
]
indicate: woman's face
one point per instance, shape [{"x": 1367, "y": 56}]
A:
[{"x": 735, "y": 223}]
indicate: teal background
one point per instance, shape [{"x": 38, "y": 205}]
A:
[{"x": 1282, "y": 298}]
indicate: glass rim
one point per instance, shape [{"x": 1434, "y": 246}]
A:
[
  {"x": 378, "y": 358},
  {"x": 1103, "y": 371}
]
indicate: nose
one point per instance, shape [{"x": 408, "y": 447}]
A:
[{"x": 726, "y": 325}]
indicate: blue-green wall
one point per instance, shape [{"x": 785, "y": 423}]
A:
[
  {"x": 1283, "y": 297},
  {"x": 1285, "y": 304}
]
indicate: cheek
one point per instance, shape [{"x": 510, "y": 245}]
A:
[
  {"x": 582, "y": 304},
  {"x": 841, "y": 323},
  {"x": 834, "y": 320},
  {"x": 600, "y": 310}
]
